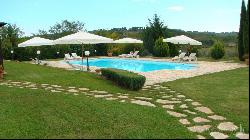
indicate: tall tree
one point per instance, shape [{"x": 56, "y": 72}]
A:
[
  {"x": 61, "y": 29},
  {"x": 9, "y": 35},
  {"x": 154, "y": 31},
  {"x": 241, "y": 38},
  {"x": 247, "y": 30}
]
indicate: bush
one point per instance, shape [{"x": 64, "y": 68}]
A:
[
  {"x": 173, "y": 50},
  {"x": 161, "y": 49},
  {"x": 124, "y": 78},
  {"x": 217, "y": 50}
]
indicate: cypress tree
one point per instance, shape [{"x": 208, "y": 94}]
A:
[
  {"x": 241, "y": 38},
  {"x": 247, "y": 31}
]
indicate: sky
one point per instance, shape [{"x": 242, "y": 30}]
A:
[{"x": 188, "y": 15}]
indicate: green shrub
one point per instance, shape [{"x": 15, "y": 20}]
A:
[
  {"x": 173, "y": 50},
  {"x": 124, "y": 78},
  {"x": 217, "y": 50},
  {"x": 161, "y": 49}
]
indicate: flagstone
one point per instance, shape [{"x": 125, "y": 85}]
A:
[
  {"x": 241, "y": 135},
  {"x": 102, "y": 96},
  {"x": 199, "y": 128},
  {"x": 216, "y": 117},
  {"x": 200, "y": 120},
  {"x": 184, "y": 121},
  {"x": 167, "y": 101},
  {"x": 168, "y": 106},
  {"x": 144, "y": 103},
  {"x": 143, "y": 98},
  {"x": 190, "y": 112},
  {"x": 183, "y": 106},
  {"x": 218, "y": 135},
  {"x": 72, "y": 90},
  {"x": 204, "y": 110},
  {"x": 200, "y": 137},
  {"x": 188, "y": 100},
  {"x": 195, "y": 103},
  {"x": 176, "y": 114},
  {"x": 227, "y": 126}
]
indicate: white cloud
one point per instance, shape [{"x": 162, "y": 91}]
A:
[{"x": 176, "y": 8}]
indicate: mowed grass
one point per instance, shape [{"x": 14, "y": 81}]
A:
[
  {"x": 27, "y": 113},
  {"x": 226, "y": 93},
  {"x": 43, "y": 74}
]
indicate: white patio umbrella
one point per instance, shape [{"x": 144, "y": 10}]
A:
[
  {"x": 82, "y": 38},
  {"x": 128, "y": 40},
  {"x": 36, "y": 41},
  {"x": 182, "y": 40}
]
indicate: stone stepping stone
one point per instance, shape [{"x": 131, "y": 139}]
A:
[
  {"x": 216, "y": 117},
  {"x": 167, "y": 101},
  {"x": 76, "y": 94},
  {"x": 143, "y": 98},
  {"x": 44, "y": 84},
  {"x": 188, "y": 100},
  {"x": 111, "y": 99},
  {"x": 200, "y": 120},
  {"x": 183, "y": 106},
  {"x": 15, "y": 82},
  {"x": 184, "y": 121},
  {"x": 199, "y": 128},
  {"x": 56, "y": 86},
  {"x": 172, "y": 91},
  {"x": 10, "y": 86},
  {"x": 33, "y": 88},
  {"x": 175, "y": 99},
  {"x": 167, "y": 96},
  {"x": 21, "y": 87},
  {"x": 227, "y": 126},
  {"x": 55, "y": 91},
  {"x": 176, "y": 114},
  {"x": 72, "y": 87},
  {"x": 48, "y": 88},
  {"x": 144, "y": 103},
  {"x": 190, "y": 112},
  {"x": 147, "y": 87},
  {"x": 123, "y": 101},
  {"x": 168, "y": 89},
  {"x": 156, "y": 85},
  {"x": 241, "y": 135},
  {"x": 196, "y": 104},
  {"x": 144, "y": 89},
  {"x": 102, "y": 92},
  {"x": 102, "y": 96},
  {"x": 123, "y": 97},
  {"x": 200, "y": 137},
  {"x": 72, "y": 90},
  {"x": 168, "y": 106},
  {"x": 218, "y": 135},
  {"x": 181, "y": 96},
  {"x": 162, "y": 92},
  {"x": 204, "y": 110}
]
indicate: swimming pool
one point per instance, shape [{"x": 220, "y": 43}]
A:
[{"x": 134, "y": 65}]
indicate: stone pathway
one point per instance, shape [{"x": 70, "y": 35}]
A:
[{"x": 198, "y": 118}]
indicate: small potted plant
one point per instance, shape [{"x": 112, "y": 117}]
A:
[{"x": 1, "y": 72}]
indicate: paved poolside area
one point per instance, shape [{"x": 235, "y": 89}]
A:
[{"x": 154, "y": 77}]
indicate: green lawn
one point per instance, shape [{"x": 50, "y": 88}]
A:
[
  {"x": 40, "y": 114},
  {"x": 227, "y": 93},
  {"x": 27, "y": 113}
]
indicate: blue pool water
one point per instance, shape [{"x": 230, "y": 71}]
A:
[{"x": 134, "y": 65}]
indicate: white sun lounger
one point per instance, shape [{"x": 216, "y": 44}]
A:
[
  {"x": 68, "y": 57},
  {"x": 75, "y": 56},
  {"x": 180, "y": 57},
  {"x": 191, "y": 57}
]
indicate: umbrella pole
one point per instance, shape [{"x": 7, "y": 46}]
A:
[{"x": 82, "y": 57}]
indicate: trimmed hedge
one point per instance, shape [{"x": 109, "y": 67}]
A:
[{"x": 124, "y": 78}]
